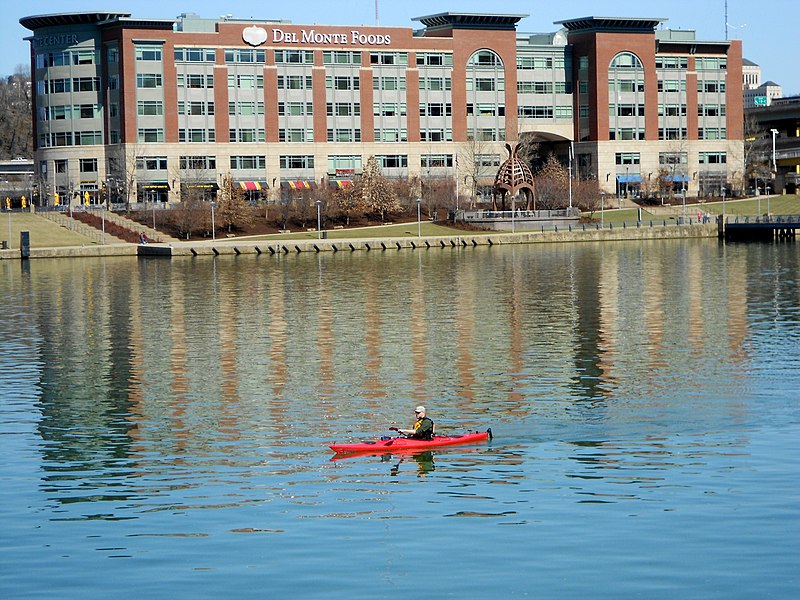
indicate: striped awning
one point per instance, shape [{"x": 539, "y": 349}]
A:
[
  {"x": 342, "y": 184},
  {"x": 252, "y": 186},
  {"x": 297, "y": 185}
]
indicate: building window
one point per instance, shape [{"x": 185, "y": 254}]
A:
[
  {"x": 344, "y": 135},
  {"x": 434, "y": 59},
  {"x": 88, "y": 165},
  {"x": 151, "y": 163},
  {"x": 294, "y": 57},
  {"x": 248, "y": 162},
  {"x": 294, "y": 82},
  {"x": 297, "y": 162},
  {"x": 195, "y": 108},
  {"x": 88, "y": 138},
  {"x": 295, "y": 109},
  {"x": 344, "y": 163},
  {"x": 389, "y": 83},
  {"x": 433, "y": 161},
  {"x": 150, "y": 107},
  {"x": 713, "y": 158},
  {"x": 246, "y": 135},
  {"x": 391, "y": 135},
  {"x": 148, "y": 52},
  {"x": 339, "y": 57},
  {"x": 627, "y": 158},
  {"x": 388, "y": 58},
  {"x": 295, "y": 135},
  {"x": 392, "y": 161},
  {"x": 195, "y": 55},
  {"x": 151, "y": 135},
  {"x": 344, "y": 109},
  {"x": 195, "y": 81},
  {"x": 246, "y": 82},
  {"x": 245, "y": 55},
  {"x": 148, "y": 80},
  {"x": 435, "y": 84},
  {"x": 89, "y": 84},
  {"x": 198, "y": 162}
]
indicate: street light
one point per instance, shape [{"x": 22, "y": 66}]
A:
[
  {"x": 683, "y": 202},
  {"x": 419, "y": 221},
  {"x": 213, "y": 226},
  {"x": 774, "y": 167},
  {"x": 602, "y": 207},
  {"x": 571, "y": 153},
  {"x": 319, "y": 221}
]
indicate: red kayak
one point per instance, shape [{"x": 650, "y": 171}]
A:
[{"x": 399, "y": 444}]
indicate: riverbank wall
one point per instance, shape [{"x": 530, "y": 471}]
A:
[{"x": 227, "y": 246}]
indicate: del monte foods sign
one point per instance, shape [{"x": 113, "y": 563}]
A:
[{"x": 255, "y": 36}]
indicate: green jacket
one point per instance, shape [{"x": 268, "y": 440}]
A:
[{"x": 423, "y": 429}]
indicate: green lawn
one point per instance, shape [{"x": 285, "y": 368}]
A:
[
  {"x": 381, "y": 231},
  {"x": 43, "y": 233},
  {"x": 777, "y": 205}
]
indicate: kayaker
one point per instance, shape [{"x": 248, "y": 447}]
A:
[{"x": 423, "y": 427}]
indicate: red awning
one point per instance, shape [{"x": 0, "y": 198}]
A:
[
  {"x": 342, "y": 183},
  {"x": 298, "y": 185},
  {"x": 252, "y": 186}
]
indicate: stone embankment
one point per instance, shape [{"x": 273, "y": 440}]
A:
[{"x": 589, "y": 233}]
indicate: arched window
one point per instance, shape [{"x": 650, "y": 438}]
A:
[
  {"x": 626, "y": 97},
  {"x": 485, "y": 58},
  {"x": 486, "y": 110}
]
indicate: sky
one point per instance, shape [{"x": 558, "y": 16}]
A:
[{"x": 767, "y": 28}]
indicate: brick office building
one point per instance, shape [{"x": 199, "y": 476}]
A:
[{"x": 147, "y": 108}]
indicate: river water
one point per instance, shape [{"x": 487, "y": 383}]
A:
[{"x": 164, "y": 425}]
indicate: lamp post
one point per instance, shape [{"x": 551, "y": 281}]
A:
[
  {"x": 213, "y": 226},
  {"x": 602, "y": 207},
  {"x": 627, "y": 183},
  {"x": 103, "y": 220},
  {"x": 9, "y": 225},
  {"x": 571, "y": 151},
  {"x": 319, "y": 220},
  {"x": 419, "y": 220},
  {"x": 513, "y": 228},
  {"x": 774, "y": 166},
  {"x": 683, "y": 202}
]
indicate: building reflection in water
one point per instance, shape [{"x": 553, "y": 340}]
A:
[{"x": 156, "y": 356}]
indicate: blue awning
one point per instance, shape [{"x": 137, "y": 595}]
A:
[
  {"x": 677, "y": 178},
  {"x": 634, "y": 178}
]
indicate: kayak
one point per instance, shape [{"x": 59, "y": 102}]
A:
[{"x": 399, "y": 444}]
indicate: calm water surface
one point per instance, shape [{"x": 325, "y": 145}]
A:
[{"x": 164, "y": 425}]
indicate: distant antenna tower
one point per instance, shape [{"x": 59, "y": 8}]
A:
[
  {"x": 726, "y": 19},
  {"x": 377, "y": 22}
]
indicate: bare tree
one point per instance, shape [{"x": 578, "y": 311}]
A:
[
  {"x": 379, "y": 197},
  {"x": 552, "y": 183},
  {"x": 16, "y": 128},
  {"x": 233, "y": 208}
]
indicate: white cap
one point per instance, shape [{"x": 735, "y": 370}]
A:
[{"x": 420, "y": 409}]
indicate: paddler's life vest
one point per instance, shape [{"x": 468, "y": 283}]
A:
[{"x": 424, "y": 435}]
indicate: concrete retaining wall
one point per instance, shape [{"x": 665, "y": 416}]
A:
[{"x": 272, "y": 247}]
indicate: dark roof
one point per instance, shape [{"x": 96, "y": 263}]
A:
[
  {"x": 748, "y": 63},
  {"x": 75, "y": 18},
  {"x": 627, "y": 24},
  {"x": 451, "y": 20}
]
